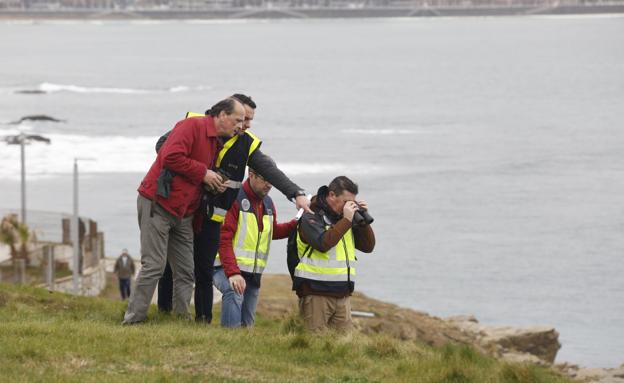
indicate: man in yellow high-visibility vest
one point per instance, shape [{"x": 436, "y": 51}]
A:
[
  {"x": 324, "y": 278},
  {"x": 246, "y": 234}
]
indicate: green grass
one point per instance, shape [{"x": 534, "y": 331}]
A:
[{"x": 52, "y": 337}]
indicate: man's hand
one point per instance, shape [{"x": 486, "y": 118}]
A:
[
  {"x": 363, "y": 205},
  {"x": 214, "y": 181},
  {"x": 302, "y": 202},
  {"x": 237, "y": 283},
  {"x": 349, "y": 209}
]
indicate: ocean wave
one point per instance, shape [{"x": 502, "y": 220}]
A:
[
  {"x": 120, "y": 154},
  {"x": 16, "y": 130},
  {"x": 106, "y": 154},
  {"x": 53, "y": 88},
  {"x": 48, "y": 87},
  {"x": 184, "y": 88}
]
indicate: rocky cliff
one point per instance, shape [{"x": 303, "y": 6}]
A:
[{"x": 535, "y": 345}]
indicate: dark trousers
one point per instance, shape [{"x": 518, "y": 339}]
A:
[
  {"x": 165, "y": 290},
  {"x": 206, "y": 245},
  {"x": 124, "y": 288}
]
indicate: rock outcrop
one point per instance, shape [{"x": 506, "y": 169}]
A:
[
  {"x": 406, "y": 324},
  {"x": 537, "y": 344}
]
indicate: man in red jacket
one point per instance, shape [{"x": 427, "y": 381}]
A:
[
  {"x": 249, "y": 226},
  {"x": 168, "y": 197}
]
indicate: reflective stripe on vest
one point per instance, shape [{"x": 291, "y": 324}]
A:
[
  {"x": 229, "y": 143},
  {"x": 335, "y": 265},
  {"x": 245, "y": 145},
  {"x": 233, "y": 184},
  {"x": 218, "y": 215},
  {"x": 193, "y": 114},
  {"x": 251, "y": 246},
  {"x": 255, "y": 143}
]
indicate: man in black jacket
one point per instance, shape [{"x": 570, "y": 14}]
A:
[
  {"x": 244, "y": 152},
  {"x": 326, "y": 242}
]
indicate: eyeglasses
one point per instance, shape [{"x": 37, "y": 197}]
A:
[{"x": 258, "y": 176}]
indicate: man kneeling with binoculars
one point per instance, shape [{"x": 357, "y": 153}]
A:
[{"x": 324, "y": 278}]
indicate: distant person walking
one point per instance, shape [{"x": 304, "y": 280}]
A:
[
  {"x": 168, "y": 197},
  {"x": 124, "y": 268}
]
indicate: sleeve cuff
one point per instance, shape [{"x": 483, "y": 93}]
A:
[{"x": 298, "y": 193}]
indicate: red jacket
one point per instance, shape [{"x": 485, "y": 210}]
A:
[
  {"x": 189, "y": 151},
  {"x": 230, "y": 226}
]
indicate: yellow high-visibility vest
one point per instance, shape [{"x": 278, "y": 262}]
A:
[
  {"x": 335, "y": 265},
  {"x": 251, "y": 245}
]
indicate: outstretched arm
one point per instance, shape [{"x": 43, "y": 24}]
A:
[{"x": 266, "y": 167}]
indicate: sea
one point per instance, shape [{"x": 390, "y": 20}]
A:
[{"x": 489, "y": 149}]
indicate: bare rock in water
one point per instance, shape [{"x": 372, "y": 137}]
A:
[
  {"x": 16, "y": 140},
  {"x": 37, "y": 117},
  {"x": 30, "y": 91}
]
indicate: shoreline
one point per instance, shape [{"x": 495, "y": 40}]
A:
[{"x": 307, "y": 13}]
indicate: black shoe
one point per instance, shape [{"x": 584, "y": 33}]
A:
[{"x": 202, "y": 319}]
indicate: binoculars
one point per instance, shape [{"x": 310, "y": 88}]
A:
[
  {"x": 362, "y": 218},
  {"x": 225, "y": 176}
]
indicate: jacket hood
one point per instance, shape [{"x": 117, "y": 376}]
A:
[{"x": 319, "y": 202}]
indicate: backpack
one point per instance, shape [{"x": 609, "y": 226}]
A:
[
  {"x": 162, "y": 140},
  {"x": 292, "y": 256},
  {"x": 166, "y": 176}
]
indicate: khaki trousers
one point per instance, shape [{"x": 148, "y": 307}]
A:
[
  {"x": 163, "y": 237},
  {"x": 320, "y": 312}
]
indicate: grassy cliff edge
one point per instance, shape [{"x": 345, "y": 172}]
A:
[{"x": 53, "y": 337}]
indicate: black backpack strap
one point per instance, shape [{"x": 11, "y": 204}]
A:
[{"x": 306, "y": 251}]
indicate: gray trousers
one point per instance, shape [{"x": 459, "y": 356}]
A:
[{"x": 163, "y": 237}]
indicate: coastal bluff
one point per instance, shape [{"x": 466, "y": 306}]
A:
[{"x": 535, "y": 344}]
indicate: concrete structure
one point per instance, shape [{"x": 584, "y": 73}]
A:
[
  {"x": 52, "y": 253},
  {"x": 93, "y": 281}
]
